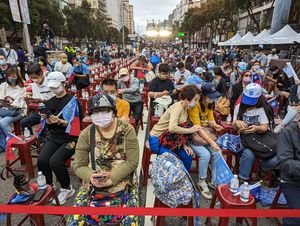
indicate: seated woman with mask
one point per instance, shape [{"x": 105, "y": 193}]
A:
[{"x": 106, "y": 158}]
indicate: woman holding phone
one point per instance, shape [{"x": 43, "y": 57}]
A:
[
  {"x": 106, "y": 158},
  {"x": 59, "y": 145},
  {"x": 253, "y": 115}
]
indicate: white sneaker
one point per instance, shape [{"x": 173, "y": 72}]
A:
[
  {"x": 64, "y": 194},
  {"x": 203, "y": 187}
]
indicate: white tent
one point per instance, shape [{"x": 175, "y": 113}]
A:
[
  {"x": 245, "y": 39},
  {"x": 231, "y": 41},
  {"x": 260, "y": 38},
  {"x": 285, "y": 36}
]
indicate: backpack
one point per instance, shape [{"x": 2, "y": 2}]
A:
[
  {"x": 172, "y": 183},
  {"x": 223, "y": 106}
]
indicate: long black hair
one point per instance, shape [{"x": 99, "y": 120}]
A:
[{"x": 261, "y": 103}]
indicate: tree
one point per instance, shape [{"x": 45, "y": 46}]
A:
[{"x": 249, "y": 6}]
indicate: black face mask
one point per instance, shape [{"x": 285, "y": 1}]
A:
[{"x": 12, "y": 81}]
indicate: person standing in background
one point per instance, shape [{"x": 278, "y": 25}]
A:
[
  {"x": 22, "y": 59},
  {"x": 11, "y": 54}
]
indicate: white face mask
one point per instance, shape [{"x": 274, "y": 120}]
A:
[
  {"x": 125, "y": 79},
  {"x": 113, "y": 96},
  {"x": 102, "y": 119},
  {"x": 57, "y": 90}
]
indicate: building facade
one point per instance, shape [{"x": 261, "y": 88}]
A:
[
  {"x": 113, "y": 13},
  {"x": 131, "y": 23}
]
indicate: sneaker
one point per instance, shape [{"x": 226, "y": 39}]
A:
[
  {"x": 203, "y": 187},
  {"x": 278, "y": 128},
  {"x": 212, "y": 185},
  {"x": 64, "y": 194}
]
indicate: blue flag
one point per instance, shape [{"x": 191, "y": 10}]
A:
[{"x": 222, "y": 171}]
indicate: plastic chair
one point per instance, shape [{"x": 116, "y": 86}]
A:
[
  {"x": 38, "y": 219},
  {"x": 24, "y": 148},
  {"x": 160, "y": 221},
  {"x": 228, "y": 201}
]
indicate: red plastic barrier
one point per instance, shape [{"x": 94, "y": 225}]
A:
[{"x": 56, "y": 210}]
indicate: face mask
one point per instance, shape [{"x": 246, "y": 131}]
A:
[
  {"x": 102, "y": 119},
  {"x": 257, "y": 67},
  {"x": 2, "y": 62},
  {"x": 7, "y": 46},
  {"x": 125, "y": 79},
  {"x": 57, "y": 90},
  {"x": 274, "y": 72},
  {"x": 235, "y": 65},
  {"x": 192, "y": 104},
  {"x": 113, "y": 96},
  {"x": 247, "y": 80},
  {"x": 64, "y": 61},
  {"x": 41, "y": 63},
  {"x": 37, "y": 81},
  {"x": 12, "y": 81}
]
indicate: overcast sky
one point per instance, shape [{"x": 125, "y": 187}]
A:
[{"x": 151, "y": 9}]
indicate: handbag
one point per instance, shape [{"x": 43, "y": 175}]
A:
[
  {"x": 263, "y": 145},
  {"x": 223, "y": 106},
  {"x": 198, "y": 140}
]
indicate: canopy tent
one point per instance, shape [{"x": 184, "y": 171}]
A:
[
  {"x": 285, "y": 36},
  {"x": 231, "y": 41},
  {"x": 260, "y": 38},
  {"x": 245, "y": 39}
]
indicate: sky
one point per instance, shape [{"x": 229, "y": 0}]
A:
[{"x": 151, "y": 9}]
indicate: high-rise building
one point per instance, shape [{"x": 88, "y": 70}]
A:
[
  {"x": 131, "y": 20},
  {"x": 94, "y": 4},
  {"x": 113, "y": 13},
  {"x": 124, "y": 13}
]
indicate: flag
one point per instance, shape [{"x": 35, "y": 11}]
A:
[
  {"x": 71, "y": 114},
  {"x": 10, "y": 140},
  {"x": 222, "y": 172},
  {"x": 40, "y": 127},
  {"x": 274, "y": 104},
  {"x": 70, "y": 75},
  {"x": 256, "y": 79},
  {"x": 289, "y": 70}
]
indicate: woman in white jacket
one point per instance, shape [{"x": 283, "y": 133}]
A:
[{"x": 13, "y": 92}]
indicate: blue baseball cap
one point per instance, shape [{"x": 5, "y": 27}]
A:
[
  {"x": 242, "y": 66},
  {"x": 209, "y": 90},
  {"x": 251, "y": 94},
  {"x": 199, "y": 70}
]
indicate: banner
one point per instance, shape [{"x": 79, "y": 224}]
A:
[
  {"x": 14, "y": 8},
  {"x": 24, "y": 11}
]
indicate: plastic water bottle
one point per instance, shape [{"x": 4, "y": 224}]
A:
[
  {"x": 41, "y": 180},
  {"x": 225, "y": 141},
  {"x": 245, "y": 192},
  {"x": 27, "y": 134},
  {"x": 228, "y": 119},
  {"x": 234, "y": 184}
]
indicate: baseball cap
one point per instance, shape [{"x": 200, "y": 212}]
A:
[
  {"x": 251, "y": 94},
  {"x": 102, "y": 101},
  {"x": 210, "y": 66},
  {"x": 55, "y": 79},
  {"x": 242, "y": 66},
  {"x": 199, "y": 70},
  {"x": 209, "y": 90},
  {"x": 123, "y": 71}
]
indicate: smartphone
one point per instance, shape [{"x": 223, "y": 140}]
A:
[
  {"x": 39, "y": 194},
  {"x": 44, "y": 110}
]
